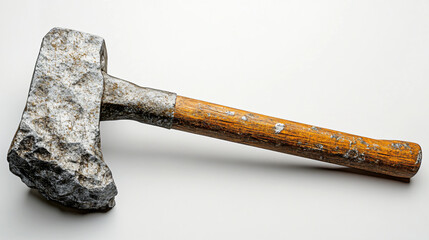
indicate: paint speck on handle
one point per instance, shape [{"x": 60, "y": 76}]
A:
[
  {"x": 314, "y": 128},
  {"x": 335, "y": 136},
  {"x": 244, "y": 118},
  {"x": 278, "y": 128},
  {"x": 400, "y": 145},
  {"x": 230, "y": 113},
  {"x": 419, "y": 158}
]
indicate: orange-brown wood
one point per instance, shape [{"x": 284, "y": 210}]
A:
[{"x": 389, "y": 157}]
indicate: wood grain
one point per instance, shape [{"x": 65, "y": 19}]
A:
[{"x": 389, "y": 157}]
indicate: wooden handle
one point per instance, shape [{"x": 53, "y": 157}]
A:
[{"x": 389, "y": 157}]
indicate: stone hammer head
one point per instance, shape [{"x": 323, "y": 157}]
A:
[{"x": 56, "y": 148}]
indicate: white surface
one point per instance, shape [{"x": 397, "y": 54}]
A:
[{"x": 357, "y": 66}]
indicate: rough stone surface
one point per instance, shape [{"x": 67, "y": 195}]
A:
[{"x": 57, "y": 146}]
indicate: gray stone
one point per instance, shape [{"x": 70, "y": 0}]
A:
[{"x": 57, "y": 146}]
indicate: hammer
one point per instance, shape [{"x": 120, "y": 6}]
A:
[{"x": 56, "y": 148}]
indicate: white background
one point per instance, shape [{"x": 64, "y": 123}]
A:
[{"x": 361, "y": 67}]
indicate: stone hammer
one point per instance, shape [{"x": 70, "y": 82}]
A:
[{"x": 56, "y": 148}]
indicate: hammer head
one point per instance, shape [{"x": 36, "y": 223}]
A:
[{"x": 56, "y": 148}]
